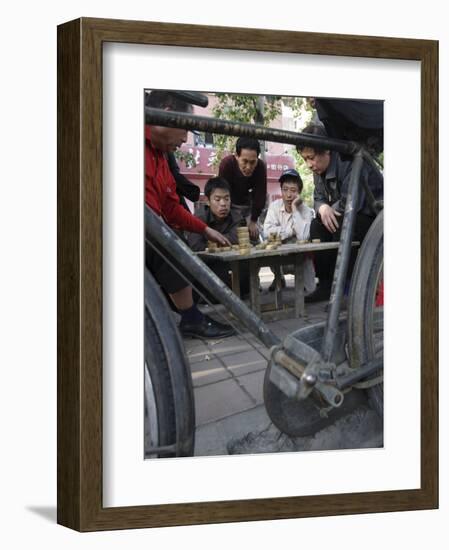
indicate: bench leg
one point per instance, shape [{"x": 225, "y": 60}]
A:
[
  {"x": 254, "y": 286},
  {"x": 299, "y": 286},
  {"x": 235, "y": 277},
  {"x": 278, "y": 286}
]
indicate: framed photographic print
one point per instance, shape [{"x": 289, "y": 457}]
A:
[{"x": 156, "y": 428}]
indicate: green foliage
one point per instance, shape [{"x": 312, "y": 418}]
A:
[
  {"x": 302, "y": 109},
  {"x": 303, "y": 113},
  {"x": 186, "y": 157},
  {"x": 242, "y": 108},
  {"x": 307, "y": 178},
  {"x": 250, "y": 109}
]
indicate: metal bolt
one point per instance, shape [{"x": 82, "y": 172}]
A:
[{"x": 310, "y": 379}]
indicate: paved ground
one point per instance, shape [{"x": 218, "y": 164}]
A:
[{"x": 228, "y": 380}]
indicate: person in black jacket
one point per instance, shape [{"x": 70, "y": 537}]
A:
[
  {"x": 218, "y": 215},
  {"x": 184, "y": 187},
  {"x": 246, "y": 174}
]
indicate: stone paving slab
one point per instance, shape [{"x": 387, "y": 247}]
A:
[
  {"x": 253, "y": 384},
  {"x": 228, "y": 346},
  {"x": 280, "y": 331},
  {"x": 215, "y": 438},
  {"x": 196, "y": 350},
  {"x": 293, "y": 324},
  {"x": 245, "y": 362},
  {"x": 263, "y": 350},
  {"x": 216, "y": 401},
  {"x": 208, "y": 372},
  {"x": 316, "y": 312}
]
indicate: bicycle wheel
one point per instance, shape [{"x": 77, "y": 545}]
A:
[
  {"x": 169, "y": 421},
  {"x": 365, "y": 314}
]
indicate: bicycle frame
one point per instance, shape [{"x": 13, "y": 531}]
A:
[{"x": 300, "y": 360}]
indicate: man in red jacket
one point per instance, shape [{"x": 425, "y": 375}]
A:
[{"x": 161, "y": 196}]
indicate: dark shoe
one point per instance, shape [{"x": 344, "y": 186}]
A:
[
  {"x": 272, "y": 287},
  {"x": 319, "y": 295},
  {"x": 207, "y": 328}
]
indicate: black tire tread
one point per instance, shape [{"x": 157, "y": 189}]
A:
[
  {"x": 170, "y": 371},
  {"x": 369, "y": 261},
  {"x": 157, "y": 365}
]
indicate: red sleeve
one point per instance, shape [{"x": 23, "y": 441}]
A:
[
  {"x": 161, "y": 196},
  {"x": 178, "y": 217}
]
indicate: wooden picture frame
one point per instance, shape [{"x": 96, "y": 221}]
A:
[{"x": 80, "y": 274}]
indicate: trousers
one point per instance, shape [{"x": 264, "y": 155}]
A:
[{"x": 325, "y": 260}]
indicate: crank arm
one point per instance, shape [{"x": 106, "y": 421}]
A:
[{"x": 307, "y": 380}]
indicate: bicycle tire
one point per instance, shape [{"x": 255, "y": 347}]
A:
[
  {"x": 160, "y": 419},
  {"x": 364, "y": 344},
  {"x": 168, "y": 395}
]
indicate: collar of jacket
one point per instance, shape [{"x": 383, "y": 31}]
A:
[
  {"x": 210, "y": 218},
  {"x": 283, "y": 209}
]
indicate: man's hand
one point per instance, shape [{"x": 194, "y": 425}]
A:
[
  {"x": 253, "y": 230},
  {"x": 297, "y": 203},
  {"x": 216, "y": 237},
  {"x": 329, "y": 217}
]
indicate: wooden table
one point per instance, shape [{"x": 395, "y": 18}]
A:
[{"x": 286, "y": 254}]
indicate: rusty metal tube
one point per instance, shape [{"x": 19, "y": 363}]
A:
[
  {"x": 361, "y": 373},
  {"x": 342, "y": 263},
  {"x": 173, "y": 119},
  {"x": 295, "y": 368}
]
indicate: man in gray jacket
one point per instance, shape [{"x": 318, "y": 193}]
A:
[{"x": 331, "y": 173}]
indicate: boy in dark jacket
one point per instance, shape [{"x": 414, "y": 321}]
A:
[{"x": 218, "y": 215}]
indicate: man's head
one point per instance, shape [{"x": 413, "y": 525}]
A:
[
  {"x": 291, "y": 186},
  {"x": 163, "y": 138},
  {"x": 316, "y": 158},
  {"x": 218, "y": 195},
  {"x": 247, "y": 151}
]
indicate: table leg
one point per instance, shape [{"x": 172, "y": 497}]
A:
[
  {"x": 254, "y": 286},
  {"x": 299, "y": 286},
  {"x": 235, "y": 277},
  {"x": 278, "y": 286}
]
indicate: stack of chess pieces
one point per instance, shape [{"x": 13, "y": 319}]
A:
[
  {"x": 243, "y": 240},
  {"x": 274, "y": 240},
  {"x": 213, "y": 247},
  {"x": 243, "y": 246}
]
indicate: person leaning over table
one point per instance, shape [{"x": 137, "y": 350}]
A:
[
  {"x": 290, "y": 218},
  {"x": 161, "y": 197},
  {"x": 331, "y": 175},
  {"x": 246, "y": 174},
  {"x": 218, "y": 215}
]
